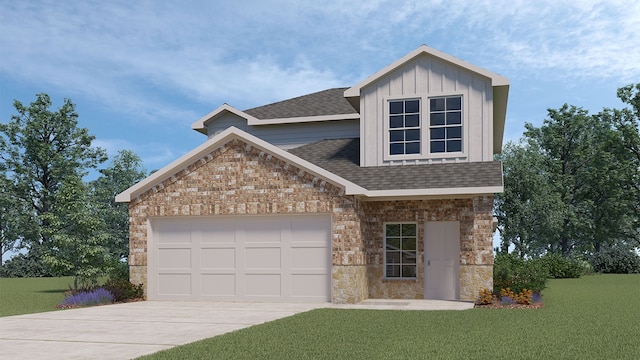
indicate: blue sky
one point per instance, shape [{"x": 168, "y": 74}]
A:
[{"x": 140, "y": 72}]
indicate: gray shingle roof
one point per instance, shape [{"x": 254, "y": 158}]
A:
[
  {"x": 326, "y": 102},
  {"x": 342, "y": 157}
]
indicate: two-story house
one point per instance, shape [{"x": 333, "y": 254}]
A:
[{"x": 381, "y": 190}]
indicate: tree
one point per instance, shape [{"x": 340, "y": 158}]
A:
[
  {"x": 125, "y": 170},
  {"x": 572, "y": 185},
  {"x": 40, "y": 149},
  {"x": 528, "y": 210},
  {"x": 627, "y": 144},
  {"x": 78, "y": 245}
]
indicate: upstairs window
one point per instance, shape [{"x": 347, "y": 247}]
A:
[
  {"x": 445, "y": 124},
  {"x": 404, "y": 127}
]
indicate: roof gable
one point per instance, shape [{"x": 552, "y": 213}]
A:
[
  {"x": 499, "y": 83},
  {"x": 220, "y": 140},
  {"x": 496, "y": 80}
]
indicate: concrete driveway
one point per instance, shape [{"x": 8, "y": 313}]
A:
[{"x": 125, "y": 331}]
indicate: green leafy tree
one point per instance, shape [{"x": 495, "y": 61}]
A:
[
  {"x": 627, "y": 144},
  {"x": 124, "y": 171},
  {"x": 528, "y": 210},
  {"x": 572, "y": 185},
  {"x": 40, "y": 149},
  {"x": 77, "y": 246}
]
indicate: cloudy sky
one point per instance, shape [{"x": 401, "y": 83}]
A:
[{"x": 140, "y": 72}]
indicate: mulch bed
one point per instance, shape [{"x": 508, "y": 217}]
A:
[{"x": 498, "y": 305}]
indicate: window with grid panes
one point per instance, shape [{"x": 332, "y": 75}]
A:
[
  {"x": 401, "y": 251},
  {"x": 445, "y": 124},
  {"x": 404, "y": 127}
]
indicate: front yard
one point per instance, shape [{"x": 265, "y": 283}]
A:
[{"x": 594, "y": 317}]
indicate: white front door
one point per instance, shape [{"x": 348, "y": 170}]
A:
[{"x": 442, "y": 260}]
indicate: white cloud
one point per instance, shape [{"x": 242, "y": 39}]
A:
[{"x": 145, "y": 57}]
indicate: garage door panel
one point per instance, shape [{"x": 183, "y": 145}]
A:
[
  {"x": 218, "y": 285},
  {"x": 250, "y": 258},
  {"x": 262, "y": 258},
  {"x": 218, "y": 258},
  {"x": 174, "y": 284},
  {"x": 310, "y": 229},
  {"x": 217, "y": 231},
  {"x": 174, "y": 258},
  {"x": 263, "y": 229},
  {"x": 309, "y": 285},
  {"x": 262, "y": 285},
  {"x": 312, "y": 257},
  {"x": 173, "y": 232}
]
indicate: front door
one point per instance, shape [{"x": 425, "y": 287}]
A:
[{"x": 442, "y": 260}]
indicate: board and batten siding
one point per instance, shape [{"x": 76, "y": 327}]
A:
[
  {"x": 428, "y": 76},
  {"x": 289, "y": 136}
]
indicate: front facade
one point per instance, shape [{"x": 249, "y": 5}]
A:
[{"x": 381, "y": 190}]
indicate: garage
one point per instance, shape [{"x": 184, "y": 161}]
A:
[{"x": 240, "y": 258}]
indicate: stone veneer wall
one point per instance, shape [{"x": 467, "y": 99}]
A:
[
  {"x": 476, "y": 243},
  {"x": 238, "y": 179}
]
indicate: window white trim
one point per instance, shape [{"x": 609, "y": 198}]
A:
[
  {"x": 400, "y": 264},
  {"x": 425, "y": 143}
]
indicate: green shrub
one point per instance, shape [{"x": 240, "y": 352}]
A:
[
  {"x": 120, "y": 271},
  {"x": 511, "y": 271},
  {"x": 616, "y": 260},
  {"x": 124, "y": 290},
  {"x": 560, "y": 267}
]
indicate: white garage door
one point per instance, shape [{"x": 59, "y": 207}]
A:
[{"x": 246, "y": 258}]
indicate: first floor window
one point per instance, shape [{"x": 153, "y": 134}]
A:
[
  {"x": 445, "y": 124},
  {"x": 400, "y": 250}
]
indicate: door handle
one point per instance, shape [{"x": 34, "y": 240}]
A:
[{"x": 428, "y": 262}]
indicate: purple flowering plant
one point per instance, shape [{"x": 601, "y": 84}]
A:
[
  {"x": 97, "y": 296},
  {"x": 507, "y": 300}
]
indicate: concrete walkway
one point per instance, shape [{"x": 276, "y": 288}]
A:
[{"x": 125, "y": 331}]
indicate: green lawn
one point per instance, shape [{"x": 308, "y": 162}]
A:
[
  {"x": 31, "y": 295},
  {"x": 595, "y": 317}
]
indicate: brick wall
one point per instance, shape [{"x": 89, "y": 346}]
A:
[
  {"x": 476, "y": 249},
  {"x": 237, "y": 179}
]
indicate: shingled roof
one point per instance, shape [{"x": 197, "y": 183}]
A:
[
  {"x": 326, "y": 102},
  {"x": 342, "y": 157}
]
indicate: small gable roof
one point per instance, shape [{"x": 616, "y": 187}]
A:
[
  {"x": 320, "y": 106},
  {"x": 499, "y": 83}
]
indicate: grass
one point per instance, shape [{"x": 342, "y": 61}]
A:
[
  {"x": 594, "y": 317},
  {"x": 31, "y": 295}
]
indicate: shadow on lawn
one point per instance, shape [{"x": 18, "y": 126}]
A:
[{"x": 52, "y": 291}]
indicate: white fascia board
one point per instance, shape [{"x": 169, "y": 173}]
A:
[
  {"x": 219, "y": 140},
  {"x": 439, "y": 192},
  {"x": 496, "y": 80},
  {"x": 201, "y": 124},
  {"x": 304, "y": 119}
]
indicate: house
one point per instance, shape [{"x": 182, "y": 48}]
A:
[{"x": 381, "y": 190}]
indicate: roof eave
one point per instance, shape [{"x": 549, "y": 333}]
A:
[
  {"x": 220, "y": 140},
  {"x": 496, "y": 80},
  {"x": 500, "y": 99},
  {"x": 374, "y": 195},
  {"x": 201, "y": 124}
]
